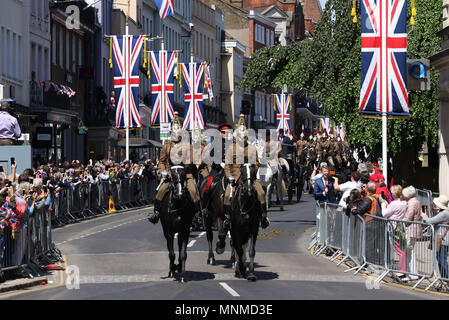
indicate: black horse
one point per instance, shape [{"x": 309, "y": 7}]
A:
[
  {"x": 245, "y": 217},
  {"x": 176, "y": 216},
  {"x": 212, "y": 197}
]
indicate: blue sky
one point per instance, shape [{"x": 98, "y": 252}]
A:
[{"x": 323, "y": 3}]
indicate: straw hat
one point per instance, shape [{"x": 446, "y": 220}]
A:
[{"x": 441, "y": 202}]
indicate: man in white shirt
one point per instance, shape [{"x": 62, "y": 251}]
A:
[{"x": 347, "y": 187}]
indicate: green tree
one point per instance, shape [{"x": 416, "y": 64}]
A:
[{"x": 329, "y": 68}]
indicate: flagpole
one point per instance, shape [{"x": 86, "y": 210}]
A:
[
  {"x": 128, "y": 107},
  {"x": 384, "y": 147}
]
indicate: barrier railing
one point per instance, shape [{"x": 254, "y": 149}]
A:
[
  {"x": 405, "y": 250},
  {"x": 31, "y": 248}
]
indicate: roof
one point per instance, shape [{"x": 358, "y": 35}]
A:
[{"x": 312, "y": 10}]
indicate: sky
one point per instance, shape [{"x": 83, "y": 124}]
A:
[{"x": 323, "y": 3}]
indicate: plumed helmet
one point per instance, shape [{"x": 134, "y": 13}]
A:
[
  {"x": 240, "y": 128},
  {"x": 176, "y": 127},
  {"x": 196, "y": 136}
]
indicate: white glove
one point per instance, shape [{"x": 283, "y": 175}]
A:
[{"x": 164, "y": 174}]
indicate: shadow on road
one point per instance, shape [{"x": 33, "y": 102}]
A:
[{"x": 309, "y": 222}]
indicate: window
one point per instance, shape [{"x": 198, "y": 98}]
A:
[
  {"x": 53, "y": 44},
  {"x": 80, "y": 52},
  {"x": 268, "y": 37},
  {"x": 73, "y": 61},
  {"x": 67, "y": 51},
  {"x": 13, "y": 74},
  {"x": 3, "y": 47},
  {"x": 47, "y": 59},
  {"x": 260, "y": 30},
  {"x": 272, "y": 37},
  {"x": 61, "y": 45}
]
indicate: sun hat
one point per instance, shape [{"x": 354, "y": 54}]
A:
[{"x": 441, "y": 202}]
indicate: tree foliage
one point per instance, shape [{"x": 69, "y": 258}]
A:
[{"x": 329, "y": 68}]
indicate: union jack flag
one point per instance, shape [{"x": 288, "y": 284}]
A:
[
  {"x": 283, "y": 102},
  {"x": 166, "y": 8},
  {"x": 7, "y": 214},
  {"x": 384, "y": 58},
  {"x": 126, "y": 60},
  {"x": 162, "y": 66},
  {"x": 193, "y": 97}
]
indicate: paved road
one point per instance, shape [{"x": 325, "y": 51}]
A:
[{"x": 123, "y": 256}]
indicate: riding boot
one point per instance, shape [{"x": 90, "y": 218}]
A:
[
  {"x": 264, "y": 223},
  {"x": 154, "y": 217},
  {"x": 227, "y": 221},
  {"x": 198, "y": 214}
]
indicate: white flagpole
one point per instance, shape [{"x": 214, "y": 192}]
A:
[
  {"x": 192, "y": 70},
  {"x": 384, "y": 109},
  {"x": 128, "y": 108}
]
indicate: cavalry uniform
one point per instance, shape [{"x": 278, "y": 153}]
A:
[
  {"x": 165, "y": 164},
  {"x": 319, "y": 148},
  {"x": 232, "y": 172},
  {"x": 300, "y": 145}
]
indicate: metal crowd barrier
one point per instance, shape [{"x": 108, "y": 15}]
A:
[
  {"x": 426, "y": 199},
  {"x": 395, "y": 247},
  {"x": 31, "y": 247},
  {"x": 85, "y": 201}
]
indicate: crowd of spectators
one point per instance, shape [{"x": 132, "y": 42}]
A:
[
  {"x": 367, "y": 193},
  {"x": 21, "y": 194}
]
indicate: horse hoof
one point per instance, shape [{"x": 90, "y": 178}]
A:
[
  {"x": 211, "y": 261},
  {"x": 170, "y": 274},
  {"x": 183, "y": 280},
  {"x": 282, "y": 209},
  {"x": 233, "y": 265},
  {"x": 238, "y": 275},
  {"x": 252, "y": 277},
  {"x": 219, "y": 250}
]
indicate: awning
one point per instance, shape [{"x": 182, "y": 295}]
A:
[{"x": 136, "y": 142}]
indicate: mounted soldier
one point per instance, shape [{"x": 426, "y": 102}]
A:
[
  {"x": 164, "y": 169},
  {"x": 233, "y": 170}
]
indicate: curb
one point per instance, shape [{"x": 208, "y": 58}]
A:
[{"x": 23, "y": 284}]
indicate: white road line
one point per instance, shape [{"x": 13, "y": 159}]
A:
[
  {"x": 202, "y": 234},
  {"x": 191, "y": 244},
  {"x": 229, "y": 289}
]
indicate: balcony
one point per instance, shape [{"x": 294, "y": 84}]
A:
[
  {"x": 308, "y": 103},
  {"x": 44, "y": 95},
  {"x": 102, "y": 112}
]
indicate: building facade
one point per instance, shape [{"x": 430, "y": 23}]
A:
[
  {"x": 15, "y": 76},
  {"x": 102, "y": 135},
  {"x": 72, "y": 66},
  {"x": 207, "y": 27},
  {"x": 232, "y": 72}
]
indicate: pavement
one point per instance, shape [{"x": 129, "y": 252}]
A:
[{"x": 122, "y": 256}]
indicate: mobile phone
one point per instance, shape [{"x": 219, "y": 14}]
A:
[
  {"x": 424, "y": 208},
  {"x": 13, "y": 160},
  {"x": 1, "y": 169}
]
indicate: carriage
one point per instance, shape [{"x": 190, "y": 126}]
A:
[{"x": 294, "y": 182}]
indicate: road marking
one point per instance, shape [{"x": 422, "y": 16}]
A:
[
  {"x": 229, "y": 289},
  {"x": 93, "y": 233},
  {"x": 202, "y": 234},
  {"x": 191, "y": 243}
]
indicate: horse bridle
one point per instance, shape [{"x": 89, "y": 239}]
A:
[
  {"x": 177, "y": 181},
  {"x": 250, "y": 189}
]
